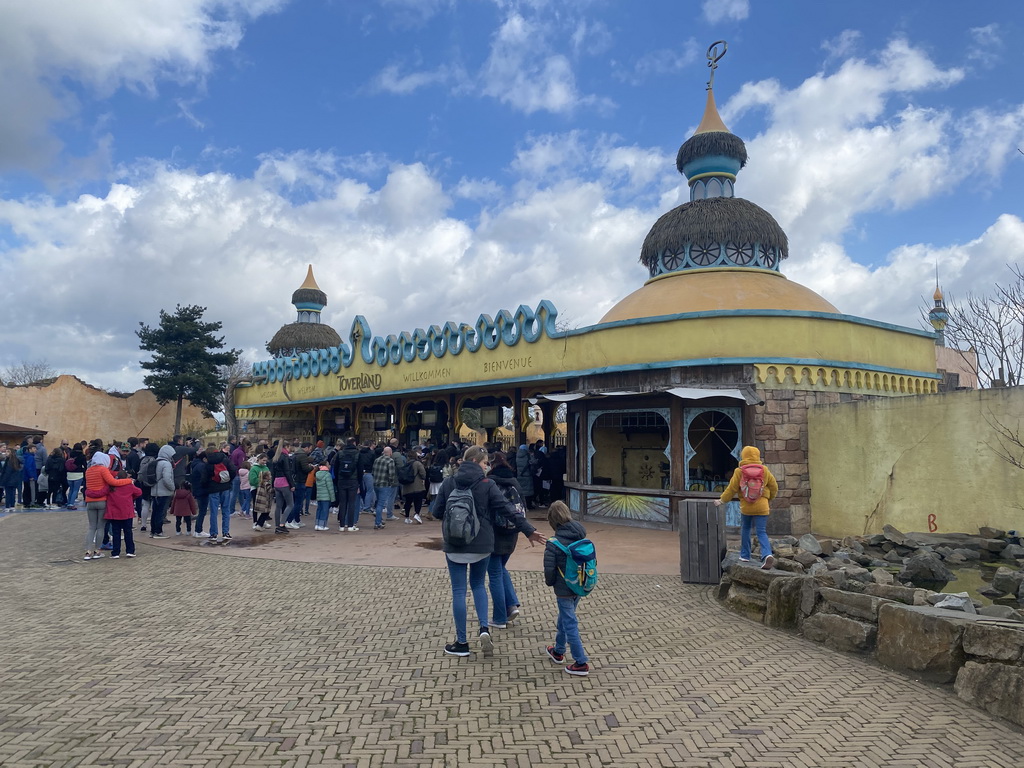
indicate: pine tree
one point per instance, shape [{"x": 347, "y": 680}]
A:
[{"x": 185, "y": 364}]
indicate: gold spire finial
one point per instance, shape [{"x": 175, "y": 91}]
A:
[
  {"x": 310, "y": 282},
  {"x": 712, "y": 121}
]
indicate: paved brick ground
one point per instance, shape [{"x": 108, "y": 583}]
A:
[{"x": 184, "y": 658}]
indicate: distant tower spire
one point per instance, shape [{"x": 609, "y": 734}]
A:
[{"x": 938, "y": 316}]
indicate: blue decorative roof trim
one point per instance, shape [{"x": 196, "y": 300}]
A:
[{"x": 436, "y": 341}]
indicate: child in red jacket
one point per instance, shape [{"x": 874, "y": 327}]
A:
[
  {"x": 120, "y": 514},
  {"x": 184, "y": 507}
]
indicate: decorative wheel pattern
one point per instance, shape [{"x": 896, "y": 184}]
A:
[
  {"x": 767, "y": 256},
  {"x": 741, "y": 255},
  {"x": 704, "y": 254},
  {"x": 672, "y": 260}
]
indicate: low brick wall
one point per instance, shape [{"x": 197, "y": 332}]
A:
[{"x": 982, "y": 656}]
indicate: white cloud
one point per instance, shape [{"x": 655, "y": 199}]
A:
[
  {"x": 840, "y": 146},
  {"x": 843, "y": 44},
  {"x": 725, "y": 10},
  {"x": 986, "y": 45},
  {"x": 391, "y": 80},
  {"x": 102, "y": 47},
  {"x": 663, "y": 61}
]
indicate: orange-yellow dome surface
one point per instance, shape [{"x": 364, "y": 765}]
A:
[{"x": 716, "y": 289}]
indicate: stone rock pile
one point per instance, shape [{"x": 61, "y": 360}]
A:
[{"x": 872, "y": 595}]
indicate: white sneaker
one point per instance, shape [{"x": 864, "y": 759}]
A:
[
  {"x": 319, "y": 527},
  {"x": 293, "y": 526},
  {"x": 267, "y": 526},
  {"x": 202, "y": 535},
  {"x": 353, "y": 529},
  {"x": 417, "y": 518},
  {"x": 408, "y": 521}
]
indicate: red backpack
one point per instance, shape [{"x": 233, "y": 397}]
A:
[{"x": 751, "y": 482}]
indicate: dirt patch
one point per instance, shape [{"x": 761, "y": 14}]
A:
[{"x": 436, "y": 544}]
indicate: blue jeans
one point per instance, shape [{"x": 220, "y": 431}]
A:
[
  {"x": 323, "y": 509},
  {"x": 236, "y": 485},
  {"x": 385, "y": 502},
  {"x": 369, "y": 494},
  {"x": 761, "y": 521},
  {"x": 503, "y": 595},
  {"x": 74, "y": 486},
  {"x": 221, "y": 500},
  {"x": 298, "y": 501},
  {"x": 477, "y": 574},
  {"x": 203, "y": 503},
  {"x": 245, "y": 500},
  {"x": 568, "y": 629},
  {"x": 156, "y": 523},
  {"x": 10, "y": 495}
]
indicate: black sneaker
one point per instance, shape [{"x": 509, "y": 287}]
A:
[
  {"x": 485, "y": 642},
  {"x": 280, "y": 529},
  {"x": 227, "y": 535},
  {"x": 457, "y": 649}
]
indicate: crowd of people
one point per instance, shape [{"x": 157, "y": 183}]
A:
[{"x": 203, "y": 487}]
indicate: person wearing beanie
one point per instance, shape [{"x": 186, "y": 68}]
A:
[{"x": 754, "y": 511}]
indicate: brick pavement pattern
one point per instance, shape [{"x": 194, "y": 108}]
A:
[{"x": 192, "y": 659}]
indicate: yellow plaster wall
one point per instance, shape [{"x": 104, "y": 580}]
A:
[
  {"x": 69, "y": 409},
  {"x": 899, "y": 461},
  {"x": 696, "y": 338}
]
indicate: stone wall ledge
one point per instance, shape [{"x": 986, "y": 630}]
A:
[{"x": 981, "y": 656}]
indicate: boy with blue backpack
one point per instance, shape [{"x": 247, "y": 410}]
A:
[{"x": 570, "y": 566}]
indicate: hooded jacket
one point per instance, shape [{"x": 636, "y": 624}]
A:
[
  {"x": 164, "y": 472},
  {"x": 348, "y": 453},
  {"x": 490, "y": 503},
  {"x": 750, "y": 455},
  {"x": 98, "y": 479},
  {"x": 121, "y": 502},
  {"x": 524, "y": 471},
  {"x": 554, "y": 558}
]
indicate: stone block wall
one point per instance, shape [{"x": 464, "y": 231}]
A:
[
  {"x": 780, "y": 431},
  {"x": 983, "y": 657}
]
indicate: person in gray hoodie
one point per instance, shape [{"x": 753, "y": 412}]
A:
[{"x": 162, "y": 491}]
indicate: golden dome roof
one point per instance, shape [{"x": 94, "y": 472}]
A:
[{"x": 709, "y": 290}]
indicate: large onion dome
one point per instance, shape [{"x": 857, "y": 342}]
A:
[{"x": 307, "y": 332}]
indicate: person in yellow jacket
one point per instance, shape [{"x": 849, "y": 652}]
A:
[{"x": 753, "y": 512}]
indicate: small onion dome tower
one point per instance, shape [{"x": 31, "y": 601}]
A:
[
  {"x": 718, "y": 251},
  {"x": 307, "y": 332},
  {"x": 938, "y": 316}
]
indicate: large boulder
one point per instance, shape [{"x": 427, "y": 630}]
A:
[
  {"x": 1000, "y": 643},
  {"x": 1012, "y": 552},
  {"x": 922, "y": 641},
  {"x": 905, "y": 595},
  {"x": 893, "y": 534},
  {"x": 856, "y": 606},
  {"x": 746, "y": 601},
  {"x": 809, "y": 543},
  {"x": 926, "y": 570},
  {"x": 839, "y": 632},
  {"x": 1007, "y": 581},
  {"x": 991, "y": 533},
  {"x": 958, "y": 602},
  {"x": 995, "y": 688},
  {"x": 805, "y": 558},
  {"x": 784, "y": 597}
]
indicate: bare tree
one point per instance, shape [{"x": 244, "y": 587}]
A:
[
  {"x": 1008, "y": 445},
  {"x": 28, "y": 372},
  {"x": 993, "y": 327},
  {"x": 237, "y": 373}
]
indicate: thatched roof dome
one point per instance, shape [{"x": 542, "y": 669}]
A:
[
  {"x": 717, "y": 220},
  {"x": 303, "y": 337},
  {"x": 711, "y": 144}
]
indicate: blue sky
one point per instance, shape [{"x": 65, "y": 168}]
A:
[{"x": 437, "y": 159}]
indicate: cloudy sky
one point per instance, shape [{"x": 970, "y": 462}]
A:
[{"x": 435, "y": 159}]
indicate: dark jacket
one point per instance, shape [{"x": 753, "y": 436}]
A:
[
  {"x": 302, "y": 466},
  {"x": 505, "y": 479},
  {"x": 179, "y": 463},
  {"x": 490, "y": 503},
  {"x": 554, "y": 558},
  {"x": 524, "y": 471},
  {"x": 197, "y": 476},
  {"x": 283, "y": 468},
  {"x": 55, "y": 472},
  {"x": 349, "y": 453},
  {"x": 366, "y": 459},
  {"x": 10, "y": 472},
  {"x": 133, "y": 462},
  {"x": 212, "y": 484}
]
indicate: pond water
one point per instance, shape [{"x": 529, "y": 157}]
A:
[{"x": 972, "y": 580}]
